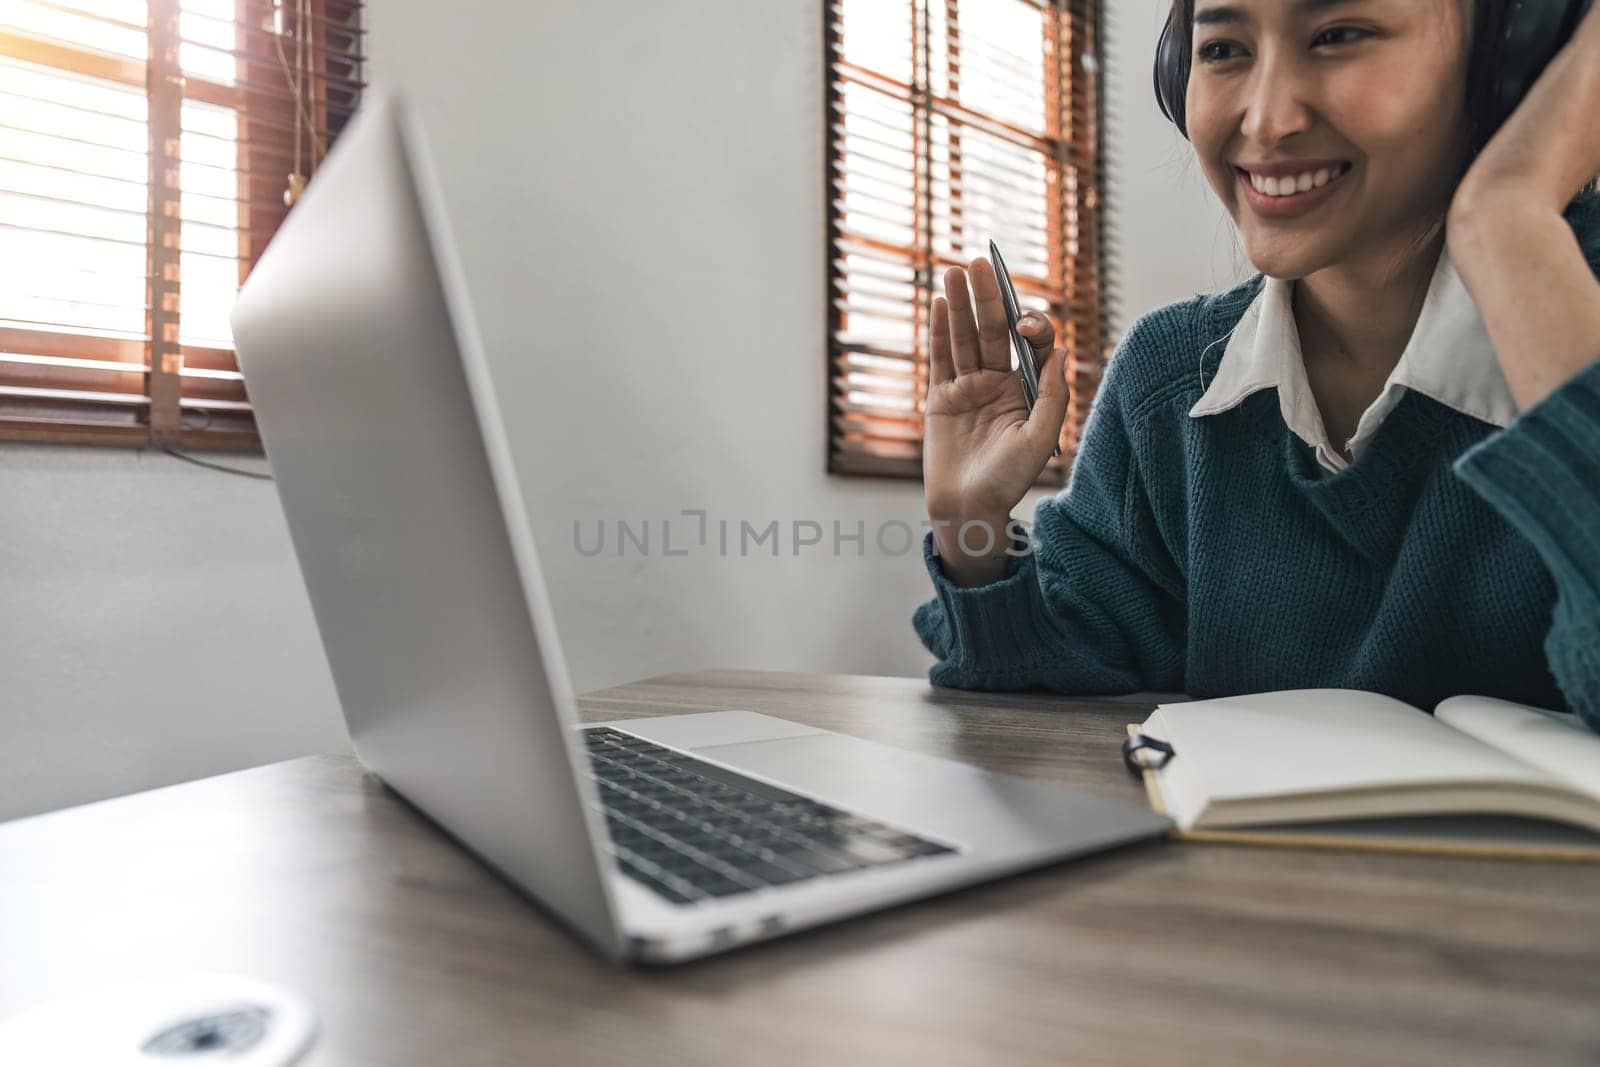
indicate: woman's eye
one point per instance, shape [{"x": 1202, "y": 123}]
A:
[
  {"x": 1340, "y": 35},
  {"x": 1217, "y": 51}
]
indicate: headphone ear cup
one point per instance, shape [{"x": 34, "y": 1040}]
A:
[
  {"x": 1534, "y": 31},
  {"x": 1171, "y": 76}
]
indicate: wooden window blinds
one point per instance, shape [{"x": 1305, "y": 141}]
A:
[
  {"x": 951, "y": 122},
  {"x": 147, "y": 150}
]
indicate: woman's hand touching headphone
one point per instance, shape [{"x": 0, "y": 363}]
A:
[
  {"x": 1508, "y": 239},
  {"x": 982, "y": 450}
]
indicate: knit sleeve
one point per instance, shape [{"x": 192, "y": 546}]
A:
[
  {"x": 1542, "y": 473},
  {"x": 1096, "y": 605}
]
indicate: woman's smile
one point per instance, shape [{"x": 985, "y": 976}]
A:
[{"x": 1287, "y": 190}]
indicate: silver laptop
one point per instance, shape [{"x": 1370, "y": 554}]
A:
[{"x": 655, "y": 840}]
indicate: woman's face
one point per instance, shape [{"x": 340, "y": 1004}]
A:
[{"x": 1358, "y": 103}]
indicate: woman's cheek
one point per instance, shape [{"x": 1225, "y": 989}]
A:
[
  {"x": 1208, "y": 135},
  {"x": 1401, "y": 109}
]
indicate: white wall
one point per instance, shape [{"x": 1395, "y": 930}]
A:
[
  {"x": 636, "y": 193},
  {"x": 1170, "y": 237},
  {"x": 153, "y": 627}
]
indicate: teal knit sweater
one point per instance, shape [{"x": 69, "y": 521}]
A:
[{"x": 1215, "y": 556}]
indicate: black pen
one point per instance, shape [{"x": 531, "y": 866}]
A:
[{"x": 1019, "y": 344}]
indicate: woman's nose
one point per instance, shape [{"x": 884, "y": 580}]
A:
[{"x": 1277, "y": 102}]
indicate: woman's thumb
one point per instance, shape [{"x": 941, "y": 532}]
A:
[
  {"x": 1037, "y": 330},
  {"x": 1051, "y": 409}
]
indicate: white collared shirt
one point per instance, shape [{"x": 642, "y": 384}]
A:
[{"x": 1447, "y": 357}]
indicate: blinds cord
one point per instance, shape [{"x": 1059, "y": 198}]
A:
[{"x": 224, "y": 468}]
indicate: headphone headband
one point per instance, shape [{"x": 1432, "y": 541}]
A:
[{"x": 1533, "y": 31}]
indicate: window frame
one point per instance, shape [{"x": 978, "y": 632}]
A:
[
  {"x": 178, "y": 379},
  {"x": 1078, "y": 292}
]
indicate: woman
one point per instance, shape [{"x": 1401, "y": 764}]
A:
[{"x": 1374, "y": 465}]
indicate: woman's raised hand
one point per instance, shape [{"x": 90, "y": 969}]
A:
[{"x": 981, "y": 449}]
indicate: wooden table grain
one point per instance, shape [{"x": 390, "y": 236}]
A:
[{"x": 312, "y": 874}]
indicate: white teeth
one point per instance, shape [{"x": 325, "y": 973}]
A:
[{"x": 1298, "y": 183}]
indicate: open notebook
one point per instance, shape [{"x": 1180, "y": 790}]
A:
[{"x": 1343, "y": 768}]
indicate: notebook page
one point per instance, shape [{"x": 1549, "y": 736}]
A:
[
  {"x": 1313, "y": 741},
  {"x": 1554, "y": 742}
]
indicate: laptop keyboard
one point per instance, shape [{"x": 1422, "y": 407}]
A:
[{"x": 693, "y": 831}]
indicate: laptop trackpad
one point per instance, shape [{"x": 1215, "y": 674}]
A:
[
  {"x": 709, "y": 728},
  {"x": 934, "y": 797}
]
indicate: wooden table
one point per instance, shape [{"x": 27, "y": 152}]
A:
[{"x": 312, "y": 874}]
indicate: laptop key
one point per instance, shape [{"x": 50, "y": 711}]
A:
[
  {"x": 773, "y": 873},
  {"x": 718, "y": 886},
  {"x": 650, "y": 881},
  {"x": 822, "y": 862},
  {"x": 872, "y": 852}
]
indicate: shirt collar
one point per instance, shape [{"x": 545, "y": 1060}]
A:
[{"x": 1448, "y": 357}]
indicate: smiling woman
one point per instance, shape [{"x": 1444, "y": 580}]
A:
[
  {"x": 1369, "y": 466},
  {"x": 1265, "y": 80}
]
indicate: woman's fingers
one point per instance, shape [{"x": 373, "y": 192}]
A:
[
  {"x": 963, "y": 330},
  {"x": 994, "y": 333},
  {"x": 962, "y": 345},
  {"x": 943, "y": 366},
  {"x": 1044, "y": 422}
]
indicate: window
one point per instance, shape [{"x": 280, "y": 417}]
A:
[
  {"x": 145, "y": 151},
  {"x": 952, "y": 122}
]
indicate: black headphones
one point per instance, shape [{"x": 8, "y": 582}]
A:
[{"x": 1533, "y": 32}]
